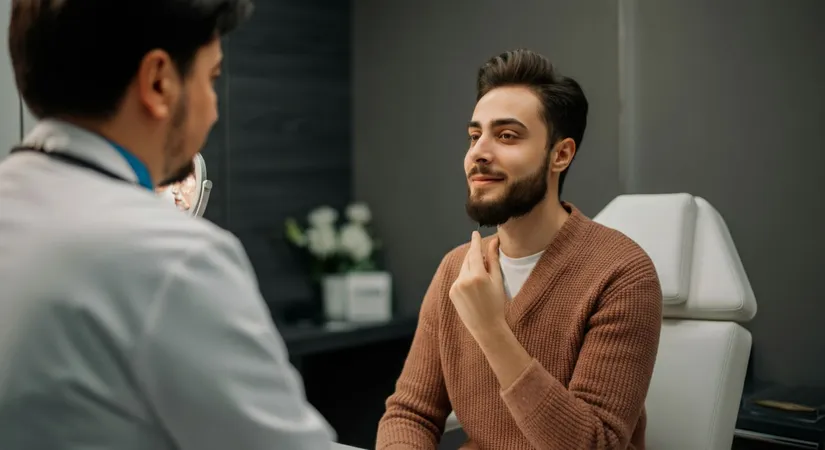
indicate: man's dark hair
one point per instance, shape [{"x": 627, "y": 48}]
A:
[
  {"x": 564, "y": 105},
  {"x": 77, "y": 57}
]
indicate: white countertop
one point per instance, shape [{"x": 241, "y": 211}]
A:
[{"x": 337, "y": 446}]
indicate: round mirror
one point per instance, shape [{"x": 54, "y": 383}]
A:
[{"x": 191, "y": 194}]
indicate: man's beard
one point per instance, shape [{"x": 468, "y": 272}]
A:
[
  {"x": 181, "y": 175},
  {"x": 519, "y": 198},
  {"x": 175, "y": 145}
]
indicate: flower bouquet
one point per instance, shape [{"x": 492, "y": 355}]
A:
[{"x": 342, "y": 259}]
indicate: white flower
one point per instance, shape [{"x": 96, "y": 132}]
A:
[
  {"x": 323, "y": 216},
  {"x": 322, "y": 241},
  {"x": 359, "y": 213},
  {"x": 356, "y": 241}
]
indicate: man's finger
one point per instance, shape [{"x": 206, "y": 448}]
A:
[
  {"x": 493, "y": 261},
  {"x": 476, "y": 253}
]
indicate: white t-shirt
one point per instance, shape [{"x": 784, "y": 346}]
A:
[{"x": 516, "y": 271}]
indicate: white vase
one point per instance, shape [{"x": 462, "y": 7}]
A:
[
  {"x": 369, "y": 297},
  {"x": 334, "y": 293},
  {"x": 358, "y": 297}
]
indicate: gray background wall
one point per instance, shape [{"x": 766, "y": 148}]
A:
[
  {"x": 9, "y": 100},
  {"x": 727, "y": 102}
]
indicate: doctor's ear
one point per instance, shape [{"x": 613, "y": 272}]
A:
[{"x": 158, "y": 84}]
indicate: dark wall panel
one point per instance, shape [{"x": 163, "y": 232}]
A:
[{"x": 282, "y": 146}]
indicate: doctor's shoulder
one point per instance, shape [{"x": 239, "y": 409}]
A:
[{"x": 147, "y": 242}]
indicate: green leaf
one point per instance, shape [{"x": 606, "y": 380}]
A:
[{"x": 294, "y": 233}]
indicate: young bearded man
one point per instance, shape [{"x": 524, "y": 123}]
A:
[{"x": 543, "y": 336}]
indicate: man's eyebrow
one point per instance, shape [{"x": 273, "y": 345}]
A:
[{"x": 498, "y": 123}]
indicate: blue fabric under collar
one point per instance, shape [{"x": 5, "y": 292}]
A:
[{"x": 138, "y": 167}]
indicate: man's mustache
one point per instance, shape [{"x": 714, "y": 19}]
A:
[{"x": 485, "y": 170}]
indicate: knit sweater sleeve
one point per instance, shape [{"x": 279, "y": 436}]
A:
[
  {"x": 417, "y": 411},
  {"x": 601, "y": 406}
]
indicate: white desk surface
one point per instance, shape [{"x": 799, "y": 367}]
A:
[{"x": 337, "y": 446}]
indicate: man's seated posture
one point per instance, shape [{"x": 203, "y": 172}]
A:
[{"x": 543, "y": 336}]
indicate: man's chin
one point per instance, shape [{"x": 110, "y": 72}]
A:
[{"x": 481, "y": 204}]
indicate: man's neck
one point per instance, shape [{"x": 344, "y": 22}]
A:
[
  {"x": 532, "y": 233},
  {"x": 131, "y": 139}
]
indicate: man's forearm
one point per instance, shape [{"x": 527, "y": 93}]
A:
[
  {"x": 416, "y": 411},
  {"x": 507, "y": 357}
]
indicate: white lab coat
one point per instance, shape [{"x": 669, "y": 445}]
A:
[{"x": 125, "y": 324}]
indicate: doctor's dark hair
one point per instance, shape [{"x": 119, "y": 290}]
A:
[
  {"x": 75, "y": 58},
  {"x": 564, "y": 105}
]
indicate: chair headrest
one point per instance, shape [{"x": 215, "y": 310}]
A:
[{"x": 699, "y": 268}]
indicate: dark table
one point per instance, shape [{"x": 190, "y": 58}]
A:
[
  {"x": 308, "y": 340},
  {"x": 759, "y": 431},
  {"x": 349, "y": 370}
]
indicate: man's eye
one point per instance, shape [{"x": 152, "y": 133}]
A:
[
  {"x": 473, "y": 137},
  {"x": 507, "y": 136}
]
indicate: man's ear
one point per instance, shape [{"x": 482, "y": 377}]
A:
[
  {"x": 562, "y": 155},
  {"x": 157, "y": 84}
]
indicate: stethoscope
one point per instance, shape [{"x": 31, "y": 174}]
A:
[
  {"x": 197, "y": 209},
  {"x": 73, "y": 160}
]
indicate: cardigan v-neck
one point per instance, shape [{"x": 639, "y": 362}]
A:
[{"x": 546, "y": 272}]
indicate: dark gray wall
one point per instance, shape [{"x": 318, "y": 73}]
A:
[
  {"x": 282, "y": 145},
  {"x": 731, "y": 108},
  {"x": 730, "y": 102},
  {"x": 414, "y": 72}
]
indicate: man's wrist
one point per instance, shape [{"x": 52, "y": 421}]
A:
[
  {"x": 505, "y": 354},
  {"x": 493, "y": 334}
]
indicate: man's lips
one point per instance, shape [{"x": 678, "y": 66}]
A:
[{"x": 484, "y": 179}]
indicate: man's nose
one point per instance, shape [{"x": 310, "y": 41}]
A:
[{"x": 482, "y": 151}]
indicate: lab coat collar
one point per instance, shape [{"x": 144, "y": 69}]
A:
[{"x": 56, "y": 135}]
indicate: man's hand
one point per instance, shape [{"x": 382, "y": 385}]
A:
[
  {"x": 479, "y": 298},
  {"x": 478, "y": 292}
]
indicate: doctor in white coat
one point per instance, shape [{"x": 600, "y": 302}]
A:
[{"x": 124, "y": 323}]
